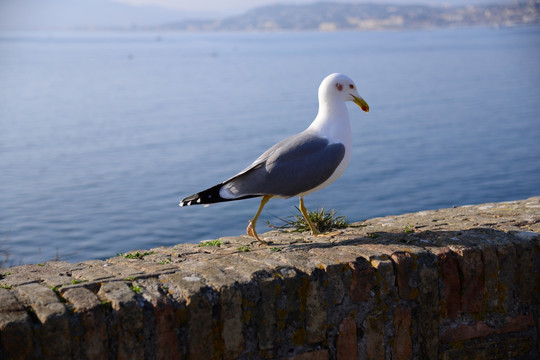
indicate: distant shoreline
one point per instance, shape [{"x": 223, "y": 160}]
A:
[
  {"x": 327, "y": 17},
  {"x": 330, "y": 17},
  {"x": 158, "y": 32}
]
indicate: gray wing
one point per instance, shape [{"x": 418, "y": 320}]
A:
[{"x": 292, "y": 166}]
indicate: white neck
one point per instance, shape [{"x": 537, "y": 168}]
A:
[{"x": 332, "y": 121}]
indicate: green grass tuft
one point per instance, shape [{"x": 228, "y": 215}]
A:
[
  {"x": 323, "y": 220},
  {"x": 137, "y": 255},
  {"x": 212, "y": 243},
  {"x": 408, "y": 229},
  {"x": 165, "y": 261}
]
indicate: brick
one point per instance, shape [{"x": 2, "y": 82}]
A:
[
  {"x": 491, "y": 276},
  {"x": 526, "y": 276},
  {"x": 128, "y": 319},
  {"x": 166, "y": 322},
  {"x": 91, "y": 274},
  {"x": 55, "y": 280},
  {"x": 472, "y": 285},
  {"x": 347, "y": 347},
  {"x": 405, "y": 264},
  {"x": 480, "y": 329},
  {"x": 291, "y": 305},
  {"x": 335, "y": 288},
  {"x": 507, "y": 276},
  {"x": 53, "y": 335},
  {"x": 362, "y": 281},
  {"x": 500, "y": 349},
  {"x": 516, "y": 324},
  {"x": 231, "y": 319},
  {"x": 312, "y": 355},
  {"x": 265, "y": 314},
  {"x": 202, "y": 339},
  {"x": 536, "y": 267},
  {"x": 374, "y": 337},
  {"x": 384, "y": 276},
  {"x": 91, "y": 314},
  {"x": 428, "y": 299},
  {"x": 121, "y": 268},
  {"x": 402, "y": 347},
  {"x": 192, "y": 298},
  {"x": 15, "y": 328},
  {"x": 451, "y": 284},
  {"x": 316, "y": 316}
]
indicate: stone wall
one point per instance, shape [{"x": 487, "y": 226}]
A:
[{"x": 459, "y": 283}]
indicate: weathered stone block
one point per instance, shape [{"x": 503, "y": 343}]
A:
[
  {"x": 53, "y": 334},
  {"x": 336, "y": 289},
  {"x": 405, "y": 263},
  {"x": 312, "y": 355},
  {"x": 93, "y": 343},
  {"x": 347, "y": 347},
  {"x": 507, "y": 276},
  {"x": 500, "y": 349},
  {"x": 526, "y": 277},
  {"x": 481, "y": 329},
  {"x": 385, "y": 278},
  {"x": 316, "y": 316},
  {"x": 204, "y": 341},
  {"x": 428, "y": 299},
  {"x": 491, "y": 275},
  {"x": 472, "y": 272},
  {"x": 127, "y": 328},
  {"x": 291, "y": 305},
  {"x": 15, "y": 328},
  {"x": 93, "y": 273},
  {"x": 363, "y": 280},
  {"x": 402, "y": 347},
  {"x": 231, "y": 319},
  {"x": 374, "y": 337},
  {"x": 265, "y": 314},
  {"x": 451, "y": 284},
  {"x": 166, "y": 324}
]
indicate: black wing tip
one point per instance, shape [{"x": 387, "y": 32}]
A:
[
  {"x": 191, "y": 200},
  {"x": 208, "y": 196}
]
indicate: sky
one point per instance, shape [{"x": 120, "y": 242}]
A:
[{"x": 58, "y": 14}]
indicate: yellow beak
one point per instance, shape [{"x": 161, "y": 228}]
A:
[{"x": 361, "y": 102}]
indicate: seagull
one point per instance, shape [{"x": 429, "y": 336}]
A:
[{"x": 301, "y": 164}]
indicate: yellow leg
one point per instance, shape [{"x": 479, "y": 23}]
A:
[
  {"x": 314, "y": 231},
  {"x": 253, "y": 222}
]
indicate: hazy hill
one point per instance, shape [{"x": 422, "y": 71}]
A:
[{"x": 342, "y": 16}]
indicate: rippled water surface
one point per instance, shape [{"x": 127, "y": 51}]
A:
[{"x": 101, "y": 134}]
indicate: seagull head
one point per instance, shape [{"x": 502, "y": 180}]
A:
[{"x": 337, "y": 87}]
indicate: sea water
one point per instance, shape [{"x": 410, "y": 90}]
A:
[{"x": 101, "y": 134}]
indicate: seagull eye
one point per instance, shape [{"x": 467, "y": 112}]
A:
[{"x": 351, "y": 86}]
